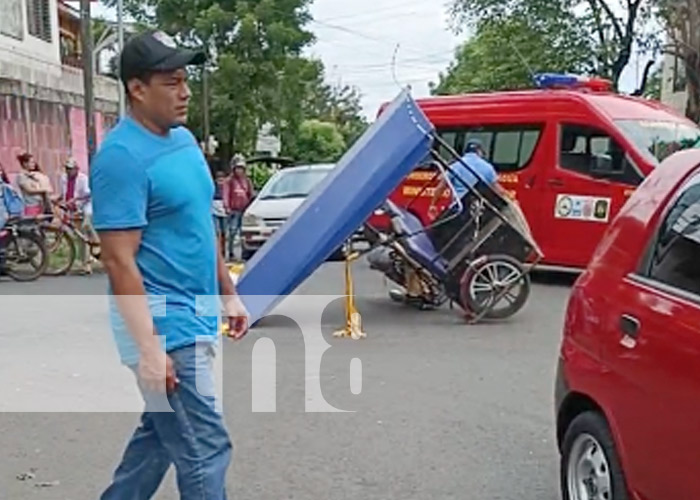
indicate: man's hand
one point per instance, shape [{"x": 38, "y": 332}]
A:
[
  {"x": 156, "y": 371},
  {"x": 236, "y": 315},
  {"x": 432, "y": 212}
]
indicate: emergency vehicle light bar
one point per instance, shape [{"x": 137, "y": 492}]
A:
[{"x": 568, "y": 81}]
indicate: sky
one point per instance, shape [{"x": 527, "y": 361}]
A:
[{"x": 380, "y": 46}]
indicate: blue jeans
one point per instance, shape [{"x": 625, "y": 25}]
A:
[
  {"x": 235, "y": 225},
  {"x": 189, "y": 433},
  {"x": 221, "y": 225}
]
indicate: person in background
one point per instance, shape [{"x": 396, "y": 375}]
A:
[
  {"x": 458, "y": 175},
  {"x": 460, "y": 179},
  {"x": 75, "y": 194},
  {"x": 220, "y": 210},
  {"x": 239, "y": 195},
  {"x": 34, "y": 186},
  {"x": 475, "y": 158}
]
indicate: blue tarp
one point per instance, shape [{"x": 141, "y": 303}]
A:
[{"x": 364, "y": 177}]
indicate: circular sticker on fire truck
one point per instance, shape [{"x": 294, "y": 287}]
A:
[{"x": 564, "y": 206}]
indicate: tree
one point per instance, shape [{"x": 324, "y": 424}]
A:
[
  {"x": 340, "y": 105},
  {"x": 250, "y": 43},
  {"x": 306, "y": 95},
  {"x": 682, "y": 21},
  {"x": 651, "y": 89},
  {"x": 319, "y": 142},
  {"x": 504, "y": 50},
  {"x": 257, "y": 74},
  {"x": 610, "y": 27}
]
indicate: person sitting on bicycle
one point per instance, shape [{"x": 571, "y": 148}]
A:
[
  {"x": 75, "y": 194},
  {"x": 11, "y": 205}
]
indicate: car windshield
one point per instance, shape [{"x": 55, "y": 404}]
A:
[
  {"x": 292, "y": 184},
  {"x": 659, "y": 139}
]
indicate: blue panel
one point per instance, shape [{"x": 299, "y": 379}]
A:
[{"x": 340, "y": 203}]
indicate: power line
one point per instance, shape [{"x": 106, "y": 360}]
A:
[
  {"x": 374, "y": 12},
  {"x": 365, "y": 36}
]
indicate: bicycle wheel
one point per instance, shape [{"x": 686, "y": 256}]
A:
[
  {"x": 60, "y": 250},
  {"x": 25, "y": 257}
]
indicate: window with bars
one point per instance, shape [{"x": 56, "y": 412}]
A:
[{"x": 39, "y": 19}]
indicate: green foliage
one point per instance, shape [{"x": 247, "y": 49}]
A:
[
  {"x": 601, "y": 32},
  {"x": 257, "y": 74},
  {"x": 681, "y": 18},
  {"x": 505, "y": 49},
  {"x": 259, "y": 175},
  {"x": 339, "y": 105},
  {"x": 319, "y": 142},
  {"x": 654, "y": 84}
]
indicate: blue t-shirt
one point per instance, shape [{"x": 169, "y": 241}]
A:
[
  {"x": 161, "y": 185},
  {"x": 483, "y": 169}
]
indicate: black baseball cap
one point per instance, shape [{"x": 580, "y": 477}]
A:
[{"x": 154, "y": 51}]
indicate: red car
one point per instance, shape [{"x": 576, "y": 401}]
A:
[{"x": 628, "y": 381}]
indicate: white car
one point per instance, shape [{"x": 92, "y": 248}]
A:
[{"x": 281, "y": 195}]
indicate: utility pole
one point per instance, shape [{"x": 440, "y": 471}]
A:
[
  {"x": 89, "y": 99},
  {"x": 205, "y": 107},
  {"x": 120, "y": 30}
]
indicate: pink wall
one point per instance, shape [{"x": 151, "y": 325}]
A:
[{"x": 57, "y": 131}]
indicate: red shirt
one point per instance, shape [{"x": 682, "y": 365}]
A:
[
  {"x": 240, "y": 192},
  {"x": 70, "y": 188}
]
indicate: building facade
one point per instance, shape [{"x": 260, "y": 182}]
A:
[
  {"x": 41, "y": 86},
  {"x": 674, "y": 84}
]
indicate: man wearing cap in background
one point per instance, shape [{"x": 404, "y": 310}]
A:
[
  {"x": 479, "y": 169},
  {"x": 152, "y": 194},
  {"x": 240, "y": 193},
  {"x": 459, "y": 175},
  {"x": 75, "y": 194},
  {"x": 460, "y": 178}
]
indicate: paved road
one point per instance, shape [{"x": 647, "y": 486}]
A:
[{"x": 446, "y": 411}]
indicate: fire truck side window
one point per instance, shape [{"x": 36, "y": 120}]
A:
[
  {"x": 507, "y": 147},
  {"x": 450, "y": 137},
  {"x": 592, "y": 152}
]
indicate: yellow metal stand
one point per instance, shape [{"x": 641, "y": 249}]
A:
[
  {"x": 353, "y": 320},
  {"x": 235, "y": 270}
]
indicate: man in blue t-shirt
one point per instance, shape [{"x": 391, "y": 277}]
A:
[{"x": 152, "y": 195}]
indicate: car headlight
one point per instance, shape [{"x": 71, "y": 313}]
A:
[{"x": 252, "y": 220}]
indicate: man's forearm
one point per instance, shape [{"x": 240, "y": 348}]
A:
[
  {"x": 226, "y": 286},
  {"x": 439, "y": 189},
  {"x": 130, "y": 295}
]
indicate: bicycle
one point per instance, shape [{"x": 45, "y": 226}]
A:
[
  {"x": 62, "y": 239},
  {"x": 21, "y": 243}
]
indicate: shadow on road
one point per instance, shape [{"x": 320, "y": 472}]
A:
[{"x": 552, "y": 278}]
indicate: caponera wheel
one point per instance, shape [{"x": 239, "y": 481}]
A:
[{"x": 495, "y": 287}]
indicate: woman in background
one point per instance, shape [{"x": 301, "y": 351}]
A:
[{"x": 34, "y": 186}]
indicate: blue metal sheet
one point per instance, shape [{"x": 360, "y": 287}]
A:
[{"x": 340, "y": 203}]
